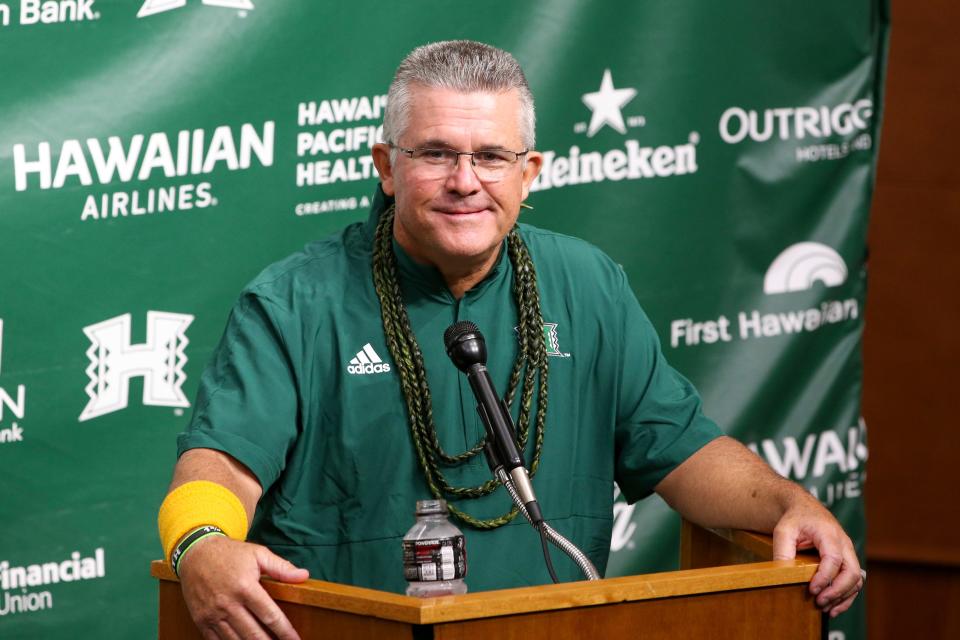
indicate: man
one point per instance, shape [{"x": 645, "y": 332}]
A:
[{"x": 330, "y": 406}]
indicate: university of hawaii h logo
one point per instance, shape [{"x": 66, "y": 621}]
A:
[{"x": 114, "y": 360}]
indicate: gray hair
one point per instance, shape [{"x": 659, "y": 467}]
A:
[{"x": 461, "y": 65}]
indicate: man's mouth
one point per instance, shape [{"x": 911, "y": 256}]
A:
[{"x": 461, "y": 211}]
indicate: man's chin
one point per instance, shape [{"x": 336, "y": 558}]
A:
[{"x": 467, "y": 251}]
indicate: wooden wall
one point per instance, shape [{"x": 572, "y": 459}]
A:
[{"x": 911, "y": 398}]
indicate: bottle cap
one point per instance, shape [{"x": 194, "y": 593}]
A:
[{"x": 431, "y": 507}]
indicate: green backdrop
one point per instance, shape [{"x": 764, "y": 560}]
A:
[{"x": 154, "y": 156}]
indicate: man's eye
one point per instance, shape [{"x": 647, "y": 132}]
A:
[
  {"x": 434, "y": 155},
  {"x": 491, "y": 157}
]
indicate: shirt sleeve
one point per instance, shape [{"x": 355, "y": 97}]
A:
[
  {"x": 247, "y": 403},
  {"x": 660, "y": 422}
]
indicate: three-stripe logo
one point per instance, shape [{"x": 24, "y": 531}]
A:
[{"x": 367, "y": 361}]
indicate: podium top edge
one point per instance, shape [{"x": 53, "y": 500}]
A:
[{"x": 487, "y": 604}]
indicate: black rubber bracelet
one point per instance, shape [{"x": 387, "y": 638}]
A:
[{"x": 192, "y": 538}]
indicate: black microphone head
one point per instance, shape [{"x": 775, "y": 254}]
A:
[{"x": 465, "y": 345}]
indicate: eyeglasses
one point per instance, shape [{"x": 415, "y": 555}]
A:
[{"x": 490, "y": 165}]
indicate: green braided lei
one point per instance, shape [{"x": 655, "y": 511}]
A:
[{"x": 529, "y": 370}]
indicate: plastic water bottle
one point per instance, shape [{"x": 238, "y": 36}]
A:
[{"x": 434, "y": 553}]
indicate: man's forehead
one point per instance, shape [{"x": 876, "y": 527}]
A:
[
  {"x": 437, "y": 113},
  {"x": 420, "y": 89}
]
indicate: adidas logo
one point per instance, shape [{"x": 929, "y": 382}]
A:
[{"x": 367, "y": 361}]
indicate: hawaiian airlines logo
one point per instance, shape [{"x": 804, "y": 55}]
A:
[
  {"x": 114, "y": 361},
  {"x": 367, "y": 361},
  {"x": 151, "y": 7},
  {"x": 801, "y": 265},
  {"x": 181, "y": 162},
  {"x": 606, "y": 105}
]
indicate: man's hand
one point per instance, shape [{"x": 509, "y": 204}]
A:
[
  {"x": 838, "y": 580},
  {"x": 726, "y": 485},
  {"x": 220, "y": 579}
]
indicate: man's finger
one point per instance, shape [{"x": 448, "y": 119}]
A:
[
  {"x": 847, "y": 597},
  {"x": 830, "y": 564},
  {"x": 275, "y": 567},
  {"x": 225, "y": 631},
  {"x": 847, "y": 581},
  {"x": 270, "y": 615},
  {"x": 245, "y": 625},
  {"x": 843, "y": 605},
  {"x": 784, "y": 543}
]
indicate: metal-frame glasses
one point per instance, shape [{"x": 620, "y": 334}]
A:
[{"x": 490, "y": 165}]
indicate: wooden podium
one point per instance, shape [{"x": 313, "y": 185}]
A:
[{"x": 727, "y": 588}]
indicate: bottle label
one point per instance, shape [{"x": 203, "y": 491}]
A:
[{"x": 435, "y": 559}]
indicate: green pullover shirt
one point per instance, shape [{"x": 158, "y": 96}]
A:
[{"x": 303, "y": 391}]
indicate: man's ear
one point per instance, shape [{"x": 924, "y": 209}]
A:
[
  {"x": 381, "y": 160},
  {"x": 531, "y": 169}
]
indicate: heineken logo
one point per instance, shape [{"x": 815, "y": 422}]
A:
[
  {"x": 606, "y": 104},
  {"x": 607, "y": 157}
]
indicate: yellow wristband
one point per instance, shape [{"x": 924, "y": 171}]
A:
[{"x": 196, "y": 504}]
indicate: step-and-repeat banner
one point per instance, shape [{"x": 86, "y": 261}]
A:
[{"x": 155, "y": 155}]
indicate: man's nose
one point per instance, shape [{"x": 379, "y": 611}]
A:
[{"x": 463, "y": 179}]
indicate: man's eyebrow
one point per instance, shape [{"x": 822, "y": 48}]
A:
[{"x": 437, "y": 143}]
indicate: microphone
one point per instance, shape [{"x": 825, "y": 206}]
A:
[{"x": 468, "y": 351}]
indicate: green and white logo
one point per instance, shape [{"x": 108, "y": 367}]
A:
[
  {"x": 151, "y": 7},
  {"x": 114, "y": 360},
  {"x": 801, "y": 265},
  {"x": 17, "y": 406},
  {"x": 552, "y": 341},
  {"x": 605, "y": 105},
  {"x": 627, "y": 159},
  {"x": 550, "y": 338},
  {"x": 797, "y": 268}
]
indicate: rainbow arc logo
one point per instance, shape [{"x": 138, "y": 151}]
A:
[{"x": 799, "y": 266}]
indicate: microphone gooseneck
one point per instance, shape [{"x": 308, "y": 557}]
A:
[{"x": 468, "y": 351}]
